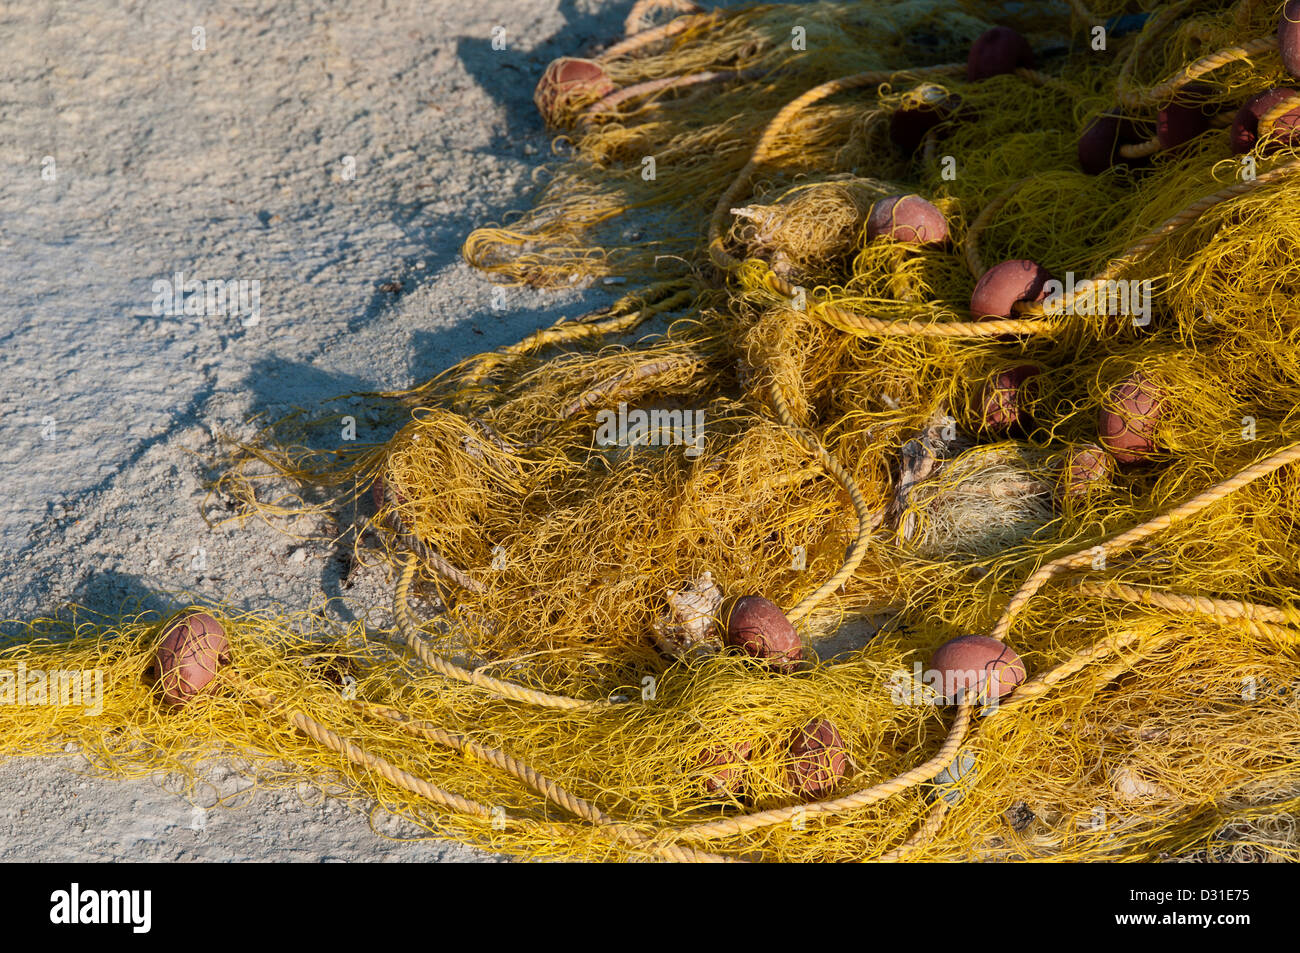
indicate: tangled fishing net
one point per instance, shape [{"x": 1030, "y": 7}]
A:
[{"x": 902, "y": 421}]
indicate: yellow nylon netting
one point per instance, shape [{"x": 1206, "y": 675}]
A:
[{"x": 844, "y": 467}]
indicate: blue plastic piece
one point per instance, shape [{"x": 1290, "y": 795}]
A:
[{"x": 1126, "y": 23}]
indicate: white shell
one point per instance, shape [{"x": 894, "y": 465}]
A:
[
  {"x": 690, "y": 627},
  {"x": 1129, "y": 785}
]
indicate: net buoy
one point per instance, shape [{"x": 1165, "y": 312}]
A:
[
  {"x": 1288, "y": 37},
  {"x": 1245, "y": 132},
  {"x": 567, "y": 82},
  {"x": 1087, "y": 469},
  {"x": 818, "y": 760},
  {"x": 1004, "y": 403},
  {"x": 760, "y": 629},
  {"x": 724, "y": 767},
  {"x": 191, "y": 651},
  {"x": 977, "y": 667},
  {"x": 997, "y": 51},
  {"x": 1129, "y": 416},
  {"x": 1004, "y": 285},
  {"x": 1184, "y": 117},
  {"x": 924, "y": 108},
  {"x": 907, "y": 218},
  {"x": 1100, "y": 142}
]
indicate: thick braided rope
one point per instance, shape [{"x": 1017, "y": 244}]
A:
[
  {"x": 1154, "y": 26},
  {"x": 1172, "y": 224},
  {"x": 867, "y": 521},
  {"x": 639, "y": 41},
  {"x": 1193, "y": 506},
  {"x": 493, "y": 756},
  {"x": 1265, "y": 619},
  {"x": 1140, "y": 150},
  {"x": 743, "y": 823},
  {"x": 1088, "y": 655},
  {"x": 436, "y": 560},
  {"x": 359, "y": 755},
  {"x": 426, "y": 789},
  {"x": 922, "y": 835},
  {"x": 852, "y": 322},
  {"x": 1195, "y": 211},
  {"x": 1137, "y": 99},
  {"x": 611, "y": 102},
  {"x": 1200, "y": 605},
  {"x": 855, "y": 323},
  {"x": 636, "y": 19},
  {"x": 411, "y": 633},
  {"x": 539, "y": 782},
  {"x": 1276, "y": 112}
]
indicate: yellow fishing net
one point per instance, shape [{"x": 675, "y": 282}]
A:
[{"x": 787, "y": 405}]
